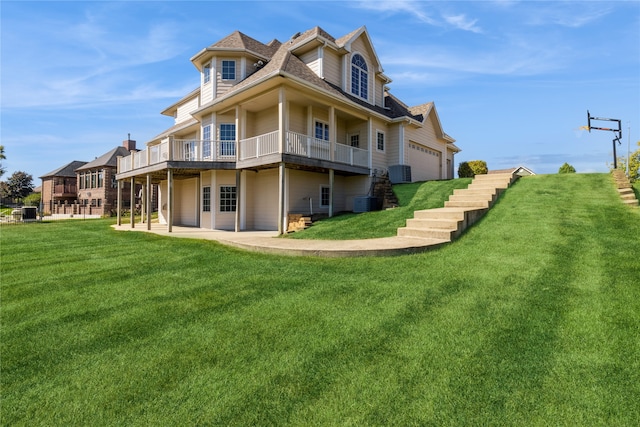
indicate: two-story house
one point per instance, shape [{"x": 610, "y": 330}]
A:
[
  {"x": 281, "y": 128},
  {"x": 97, "y": 184},
  {"x": 60, "y": 189}
]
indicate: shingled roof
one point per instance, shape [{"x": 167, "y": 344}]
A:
[
  {"x": 241, "y": 41},
  {"x": 68, "y": 170},
  {"x": 109, "y": 158},
  {"x": 283, "y": 62}
]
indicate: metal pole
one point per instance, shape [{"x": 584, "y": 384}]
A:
[{"x": 628, "y": 147}]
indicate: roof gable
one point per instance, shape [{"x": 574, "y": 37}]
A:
[
  {"x": 110, "y": 158},
  {"x": 347, "y": 41},
  {"x": 68, "y": 170}
]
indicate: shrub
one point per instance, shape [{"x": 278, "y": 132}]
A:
[
  {"x": 32, "y": 199},
  {"x": 566, "y": 168},
  {"x": 472, "y": 168}
]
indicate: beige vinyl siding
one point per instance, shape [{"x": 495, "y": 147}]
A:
[
  {"x": 297, "y": 118},
  {"x": 332, "y": 67},
  {"x": 262, "y": 122},
  {"x": 184, "y": 110},
  {"x": 262, "y": 200},
  {"x": 185, "y": 202},
  {"x": 354, "y": 186},
  {"x": 379, "y": 158},
  {"x": 359, "y": 128},
  {"x": 311, "y": 59},
  {"x": 392, "y": 145},
  {"x": 224, "y": 220},
  {"x": 206, "y": 93},
  {"x": 379, "y": 92},
  {"x": 222, "y": 86},
  {"x": 304, "y": 185}
]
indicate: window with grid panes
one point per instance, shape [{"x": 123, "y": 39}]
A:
[
  {"x": 227, "y": 198},
  {"x": 228, "y": 70}
]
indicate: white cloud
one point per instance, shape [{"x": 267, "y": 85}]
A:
[
  {"x": 87, "y": 59},
  {"x": 417, "y": 10},
  {"x": 463, "y": 23},
  {"x": 397, "y": 6},
  {"x": 565, "y": 14}
]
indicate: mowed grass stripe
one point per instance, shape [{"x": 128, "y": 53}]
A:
[{"x": 526, "y": 319}]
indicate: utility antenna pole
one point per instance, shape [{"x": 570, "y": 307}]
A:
[{"x": 617, "y": 133}]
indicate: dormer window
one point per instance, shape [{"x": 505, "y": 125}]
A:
[
  {"x": 359, "y": 77},
  {"x": 228, "y": 70},
  {"x": 206, "y": 73}
]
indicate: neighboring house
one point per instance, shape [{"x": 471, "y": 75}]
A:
[
  {"x": 520, "y": 171},
  {"x": 281, "y": 128},
  {"x": 60, "y": 189},
  {"x": 97, "y": 184}
]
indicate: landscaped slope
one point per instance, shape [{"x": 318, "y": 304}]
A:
[
  {"x": 530, "y": 318},
  {"x": 411, "y": 197}
]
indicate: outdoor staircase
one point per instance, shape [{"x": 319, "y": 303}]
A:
[
  {"x": 463, "y": 209},
  {"x": 383, "y": 191},
  {"x": 624, "y": 188}
]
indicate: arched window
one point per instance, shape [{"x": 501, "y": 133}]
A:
[{"x": 359, "y": 77}]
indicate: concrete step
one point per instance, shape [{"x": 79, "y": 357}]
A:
[
  {"x": 440, "y": 213},
  {"x": 628, "y": 196},
  {"x": 441, "y": 224},
  {"x": 425, "y": 233},
  {"x": 488, "y": 185},
  {"x": 467, "y": 204},
  {"x": 472, "y": 198},
  {"x": 630, "y": 202},
  {"x": 490, "y": 176},
  {"x": 463, "y": 209},
  {"x": 489, "y": 191}
]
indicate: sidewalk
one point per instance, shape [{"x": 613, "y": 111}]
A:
[{"x": 269, "y": 242}]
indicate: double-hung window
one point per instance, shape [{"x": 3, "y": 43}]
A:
[
  {"x": 228, "y": 70},
  {"x": 206, "y": 73},
  {"x": 227, "y": 198},
  {"x": 355, "y": 140},
  {"x": 325, "y": 196},
  {"x": 227, "y": 139},
  {"x": 322, "y": 131},
  {"x": 206, "y": 142},
  {"x": 189, "y": 151},
  {"x": 380, "y": 141},
  {"x": 359, "y": 77},
  {"x": 206, "y": 199}
]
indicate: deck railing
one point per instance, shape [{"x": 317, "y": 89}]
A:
[{"x": 250, "y": 148}]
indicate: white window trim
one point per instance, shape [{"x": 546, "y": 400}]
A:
[
  {"x": 204, "y": 75},
  {"x": 320, "y": 196},
  {"x": 384, "y": 140},
  {"x": 351, "y": 76},
  {"x": 350, "y": 135},
  {"x": 202, "y": 201},
  {"x": 220, "y": 199},
  {"x": 325, "y": 127},
  {"x": 235, "y": 70}
]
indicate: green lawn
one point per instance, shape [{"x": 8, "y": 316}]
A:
[
  {"x": 532, "y": 317},
  {"x": 367, "y": 225}
]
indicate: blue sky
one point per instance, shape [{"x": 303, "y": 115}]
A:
[{"x": 511, "y": 80}]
